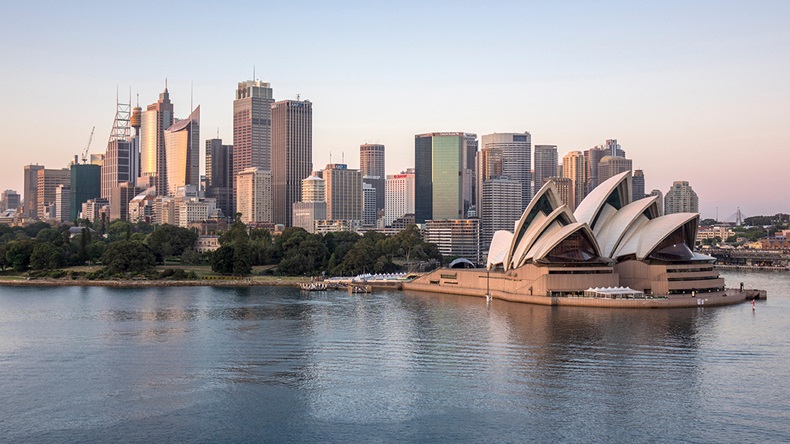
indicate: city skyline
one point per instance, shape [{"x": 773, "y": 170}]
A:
[{"x": 662, "y": 80}]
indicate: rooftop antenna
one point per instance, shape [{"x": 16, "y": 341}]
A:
[
  {"x": 330, "y": 157},
  {"x": 191, "y": 94},
  {"x": 342, "y": 157},
  {"x": 298, "y": 96},
  {"x": 217, "y": 132},
  {"x": 253, "y": 72},
  {"x": 165, "y": 83}
]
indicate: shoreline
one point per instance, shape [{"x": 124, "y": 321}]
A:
[{"x": 126, "y": 283}]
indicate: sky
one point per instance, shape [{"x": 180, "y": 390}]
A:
[{"x": 696, "y": 91}]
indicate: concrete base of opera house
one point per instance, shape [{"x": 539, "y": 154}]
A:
[{"x": 477, "y": 282}]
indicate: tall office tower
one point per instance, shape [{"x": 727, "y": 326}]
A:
[
  {"x": 252, "y": 126},
  {"x": 343, "y": 192},
  {"x": 611, "y": 166},
  {"x": 681, "y": 199},
  {"x": 122, "y": 159},
  {"x": 369, "y": 210},
  {"x": 488, "y": 164},
  {"x": 30, "y": 208},
  {"x": 442, "y": 175},
  {"x": 219, "y": 175},
  {"x": 592, "y": 160},
  {"x": 371, "y": 163},
  {"x": 613, "y": 148},
  {"x": 574, "y": 167},
  {"x": 516, "y": 159},
  {"x": 660, "y": 200},
  {"x": 63, "y": 203},
  {"x": 501, "y": 207},
  {"x": 470, "y": 186},
  {"x": 564, "y": 187},
  {"x": 312, "y": 207},
  {"x": 48, "y": 181},
  {"x": 638, "y": 185},
  {"x": 253, "y": 197},
  {"x": 120, "y": 196},
  {"x": 545, "y": 164},
  {"x": 85, "y": 183},
  {"x": 182, "y": 147},
  {"x": 400, "y": 196},
  {"x": 560, "y": 170},
  {"x": 154, "y": 121},
  {"x": 292, "y": 154},
  {"x": 11, "y": 200}
]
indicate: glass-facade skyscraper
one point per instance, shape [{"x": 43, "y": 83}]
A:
[{"x": 444, "y": 182}]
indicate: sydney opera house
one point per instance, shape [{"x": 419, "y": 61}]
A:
[{"x": 609, "y": 252}]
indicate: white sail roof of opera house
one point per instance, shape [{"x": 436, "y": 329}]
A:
[
  {"x": 629, "y": 219},
  {"x": 643, "y": 242},
  {"x": 605, "y": 200},
  {"x": 606, "y": 224}
]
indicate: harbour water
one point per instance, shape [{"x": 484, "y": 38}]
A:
[{"x": 202, "y": 364}]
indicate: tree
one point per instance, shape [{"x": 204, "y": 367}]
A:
[
  {"x": 222, "y": 260},
  {"x": 191, "y": 257},
  {"x": 119, "y": 229},
  {"x": 242, "y": 263},
  {"x": 169, "y": 240},
  {"x": 18, "y": 254},
  {"x": 46, "y": 257},
  {"x": 409, "y": 238},
  {"x": 128, "y": 257}
]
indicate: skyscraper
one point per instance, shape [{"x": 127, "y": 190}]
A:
[
  {"x": 681, "y": 199},
  {"x": 155, "y": 120},
  {"x": 292, "y": 154},
  {"x": 592, "y": 161},
  {"x": 253, "y": 197},
  {"x": 219, "y": 175},
  {"x": 122, "y": 159},
  {"x": 564, "y": 187},
  {"x": 10, "y": 200},
  {"x": 371, "y": 164},
  {"x": 252, "y": 125},
  {"x": 516, "y": 159},
  {"x": 182, "y": 147},
  {"x": 30, "y": 191},
  {"x": 638, "y": 185},
  {"x": 48, "y": 181},
  {"x": 501, "y": 207},
  {"x": 344, "y": 197},
  {"x": 63, "y": 203},
  {"x": 312, "y": 207},
  {"x": 85, "y": 183},
  {"x": 545, "y": 164},
  {"x": 443, "y": 178},
  {"x": 574, "y": 167},
  {"x": 613, "y": 148},
  {"x": 400, "y": 196}
]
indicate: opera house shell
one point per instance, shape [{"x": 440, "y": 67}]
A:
[{"x": 609, "y": 248}]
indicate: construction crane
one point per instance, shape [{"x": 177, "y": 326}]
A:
[{"x": 85, "y": 153}]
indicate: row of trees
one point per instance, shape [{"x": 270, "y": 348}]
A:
[{"x": 126, "y": 249}]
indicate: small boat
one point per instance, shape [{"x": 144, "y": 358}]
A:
[
  {"x": 313, "y": 286},
  {"x": 359, "y": 288}
]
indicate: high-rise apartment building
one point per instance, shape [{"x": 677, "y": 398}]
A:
[
  {"x": 455, "y": 237},
  {"x": 30, "y": 190},
  {"x": 681, "y": 199},
  {"x": 182, "y": 147},
  {"x": 399, "y": 196},
  {"x": 292, "y": 154},
  {"x": 611, "y": 166},
  {"x": 516, "y": 159},
  {"x": 219, "y": 175},
  {"x": 85, "y": 183},
  {"x": 443, "y": 176},
  {"x": 48, "y": 181},
  {"x": 501, "y": 207},
  {"x": 344, "y": 197},
  {"x": 574, "y": 167},
  {"x": 545, "y": 164},
  {"x": 371, "y": 164},
  {"x": 252, "y": 125},
  {"x": 154, "y": 121},
  {"x": 369, "y": 209},
  {"x": 638, "y": 185},
  {"x": 253, "y": 196}
]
